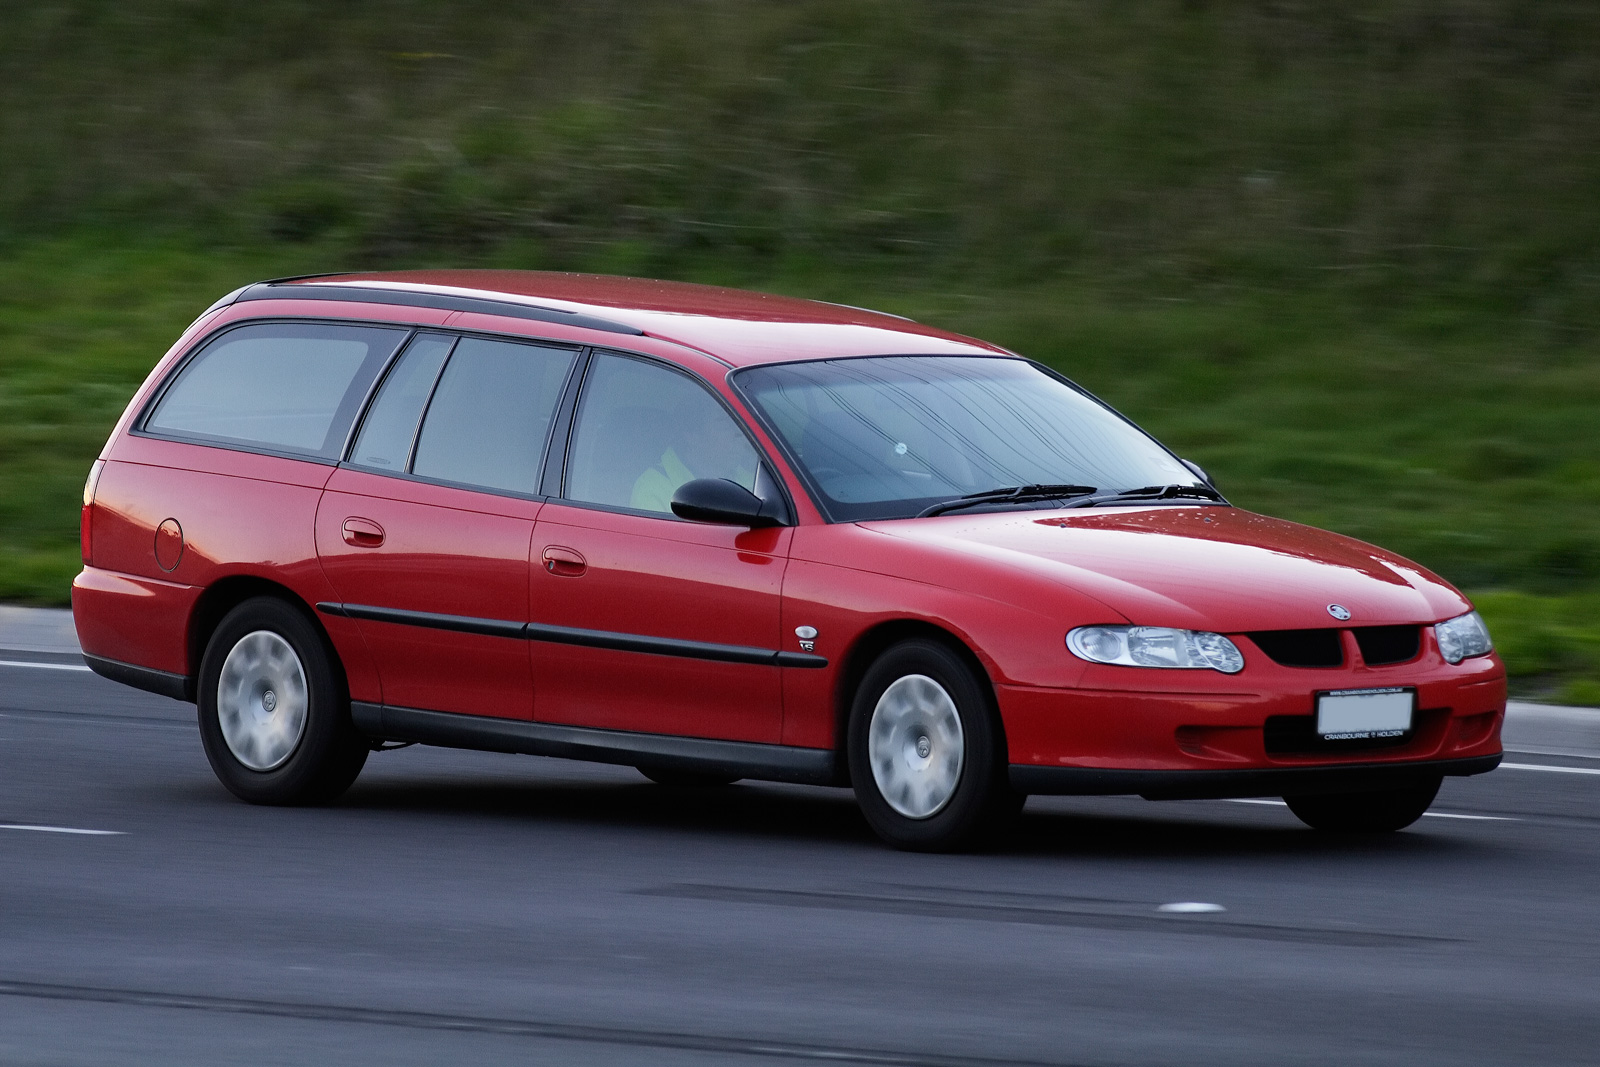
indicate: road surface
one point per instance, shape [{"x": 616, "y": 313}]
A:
[{"x": 467, "y": 907}]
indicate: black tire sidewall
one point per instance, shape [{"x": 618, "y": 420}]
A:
[
  {"x": 330, "y": 752},
  {"x": 980, "y": 794},
  {"x": 1378, "y": 812}
]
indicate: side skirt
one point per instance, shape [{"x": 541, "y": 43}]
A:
[
  {"x": 1212, "y": 785},
  {"x": 772, "y": 763}
]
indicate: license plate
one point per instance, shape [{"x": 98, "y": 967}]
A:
[{"x": 1365, "y": 714}]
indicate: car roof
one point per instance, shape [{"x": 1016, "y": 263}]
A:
[{"x": 737, "y": 326}]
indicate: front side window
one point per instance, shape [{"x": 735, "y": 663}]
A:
[
  {"x": 283, "y": 387},
  {"x": 642, "y": 430},
  {"x": 488, "y": 419},
  {"x": 886, "y": 437}
]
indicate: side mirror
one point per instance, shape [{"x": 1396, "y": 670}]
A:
[
  {"x": 1199, "y": 472},
  {"x": 721, "y": 501}
]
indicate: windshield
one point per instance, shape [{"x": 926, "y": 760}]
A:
[{"x": 886, "y": 437}]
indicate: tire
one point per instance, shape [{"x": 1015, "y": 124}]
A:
[
  {"x": 274, "y": 712},
  {"x": 1379, "y": 812},
  {"x": 926, "y": 753},
  {"x": 680, "y": 779}
]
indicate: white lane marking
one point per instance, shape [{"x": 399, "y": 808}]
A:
[
  {"x": 63, "y": 830},
  {"x": 1427, "y": 814},
  {"x": 1554, "y": 752},
  {"x": 1547, "y": 767},
  {"x": 42, "y": 666},
  {"x": 93, "y": 720},
  {"x": 1191, "y": 907}
]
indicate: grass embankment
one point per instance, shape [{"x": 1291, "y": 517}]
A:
[
  {"x": 1345, "y": 255},
  {"x": 1447, "y": 440}
]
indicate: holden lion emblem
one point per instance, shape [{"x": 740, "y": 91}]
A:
[
  {"x": 807, "y": 636},
  {"x": 1339, "y": 611}
]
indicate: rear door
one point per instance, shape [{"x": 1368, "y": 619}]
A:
[
  {"x": 644, "y": 621},
  {"x": 425, "y": 531}
]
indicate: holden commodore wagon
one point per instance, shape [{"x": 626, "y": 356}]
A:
[{"x": 719, "y": 535}]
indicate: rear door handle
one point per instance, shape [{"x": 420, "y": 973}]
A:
[
  {"x": 362, "y": 533},
  {"x": 564, "y": 562}
]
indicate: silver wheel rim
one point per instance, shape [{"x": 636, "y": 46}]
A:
[
  {"x": 262, "y": 700},
  {"x": 916, "y": 746}
]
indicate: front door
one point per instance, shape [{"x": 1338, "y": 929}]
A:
[
  {"x": 425, "y": 532},
  {"x": 643, "y": 621}
]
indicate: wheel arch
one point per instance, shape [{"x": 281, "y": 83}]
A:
[
  {"x": 872, "y": 643},
  {"x": 225, "y": 594}
]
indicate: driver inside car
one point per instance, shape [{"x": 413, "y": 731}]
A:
[{"x": 711, "y": 449}]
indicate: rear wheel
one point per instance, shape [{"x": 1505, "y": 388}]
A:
[
  {"x": 274, "y": 716},
  {"x": 926, "y": 754},
  {"x": 1381, "y": 812},
  {"x": 671, "y": 776}
]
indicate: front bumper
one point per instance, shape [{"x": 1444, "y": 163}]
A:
[{"x": 1253, "y": 734}]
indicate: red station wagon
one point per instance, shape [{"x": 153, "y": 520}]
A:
[{"x": 716, "y": 535}]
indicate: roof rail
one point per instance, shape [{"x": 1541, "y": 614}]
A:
[
  {"x": 362, "y": 294},
  {"x": 870, "y": 311}
]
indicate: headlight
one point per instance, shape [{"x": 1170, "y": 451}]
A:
[
  {"x": 1155, "y": 646},
  {"x": 1463, "y": 636}
]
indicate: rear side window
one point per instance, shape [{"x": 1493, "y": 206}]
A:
[
  {"x": 489, "y": 417},
  {"x": 282, "y": 387}
]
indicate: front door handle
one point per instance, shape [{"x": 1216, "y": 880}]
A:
[
  {"x": 564, "y": 562},
  {"x": 362, "y": 533}
]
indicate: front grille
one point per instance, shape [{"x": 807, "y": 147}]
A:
[
  {"x": 1388, "y": 644},
  {"x": 1300, "y": 648}
]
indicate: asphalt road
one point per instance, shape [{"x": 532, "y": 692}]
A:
[{"x": 465, "y": 907}]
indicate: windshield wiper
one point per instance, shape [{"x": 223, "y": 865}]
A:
[
  {"x": 1152, "y": 492},
  {"x": 1016, "y": 494}
]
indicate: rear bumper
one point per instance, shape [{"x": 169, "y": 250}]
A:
[
  {"x": 127, "y": 619},
  {"x": 1255, "y": 782},
  {"x": 164, "y": 683}
]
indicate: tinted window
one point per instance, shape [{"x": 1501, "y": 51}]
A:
[
  {"x": 644, "y": 430},
  {"x": 290, "y": 387},
  {"x": 490, "y": 414},
  {"x": 885, "y": 437},
  {"x": 391, "y": 423}
]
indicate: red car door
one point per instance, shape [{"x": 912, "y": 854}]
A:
[
  {"x": 643, "y": 621},
  {"x": 425, "y": 532}
]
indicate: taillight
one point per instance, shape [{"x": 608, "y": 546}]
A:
[{"x": 85, "y": 525}]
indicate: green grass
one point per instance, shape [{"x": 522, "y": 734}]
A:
[
  {"x": 1452, "y": 439},
  {"x": 1381, "y": 148},
  {"x": 1551, "y": 645},
  {"x": 1346, "y": 256}
]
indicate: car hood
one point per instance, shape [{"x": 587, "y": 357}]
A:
[{"x": 1212, "y": 568}]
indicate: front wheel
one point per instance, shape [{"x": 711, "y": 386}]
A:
[
  {"x": 927, "y": 758},
  {"x": 274, "y": 717},
  {"x": 1380, "y": 812}
]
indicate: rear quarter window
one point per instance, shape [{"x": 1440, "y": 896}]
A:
[{"x": 279, "y": 387}]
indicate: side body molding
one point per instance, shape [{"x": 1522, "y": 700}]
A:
[{"x": 568, "y": 635}]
